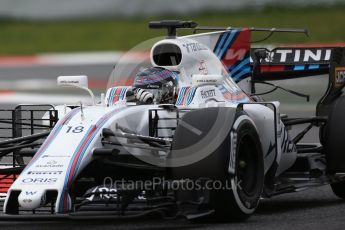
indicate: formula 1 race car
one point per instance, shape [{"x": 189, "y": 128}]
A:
[{"x": 185, "y": 136}]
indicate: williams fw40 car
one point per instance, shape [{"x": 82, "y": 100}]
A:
[{"x": 183, "y": 136}]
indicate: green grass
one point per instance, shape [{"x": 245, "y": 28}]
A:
[{"x": 19, "y": 37}]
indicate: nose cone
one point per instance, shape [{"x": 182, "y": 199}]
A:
[{"x": 31, "y": 199}]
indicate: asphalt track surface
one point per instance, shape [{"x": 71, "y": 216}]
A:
[{"x": 314, "y": 209}]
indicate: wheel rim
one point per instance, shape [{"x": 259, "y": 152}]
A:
[{"x": 247, "y": 166}]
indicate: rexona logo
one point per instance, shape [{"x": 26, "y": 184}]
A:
[
  {"x": 208, "y": 93},
  {"x": 45, "y": 172},
  {"x": 39, "y": 180},
  {"x": 339, "y": 76}
]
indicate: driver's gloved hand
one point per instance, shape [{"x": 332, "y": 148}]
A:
[
  {"x": 143, "y": 96},
  {"x": 130, "y": 96}
]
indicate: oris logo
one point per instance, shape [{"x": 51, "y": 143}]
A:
[{"x": 39, "y": 180}]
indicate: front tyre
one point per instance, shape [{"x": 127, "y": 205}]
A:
[
  {"x": 242, "y": 199},
  {"x": 237, "y": 162}
]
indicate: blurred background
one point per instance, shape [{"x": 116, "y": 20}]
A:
[{"x": 42, "y": 39}]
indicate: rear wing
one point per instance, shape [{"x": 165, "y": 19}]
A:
[
  {"x": 289, "y": 62},
  {"x": 285, "y": 63}
]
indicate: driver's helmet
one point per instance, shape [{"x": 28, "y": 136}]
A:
[{"x": 162, "y": 83}]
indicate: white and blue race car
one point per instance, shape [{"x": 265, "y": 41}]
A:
[{"x": 187, "y": 136}]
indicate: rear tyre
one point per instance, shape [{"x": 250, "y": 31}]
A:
[
  {"x": 339, "y": 189},
  {"x": 334, "y": 137}
]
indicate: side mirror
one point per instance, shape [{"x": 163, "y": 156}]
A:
[
  {"x": 199, "y": 80},
  {"x": 73, "y": 81},
  {"x": 80, "y": 82}
]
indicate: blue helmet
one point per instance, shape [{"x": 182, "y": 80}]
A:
[
  {"x": 161, "y": 82},
  {"x": 154, "y": 78}
]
